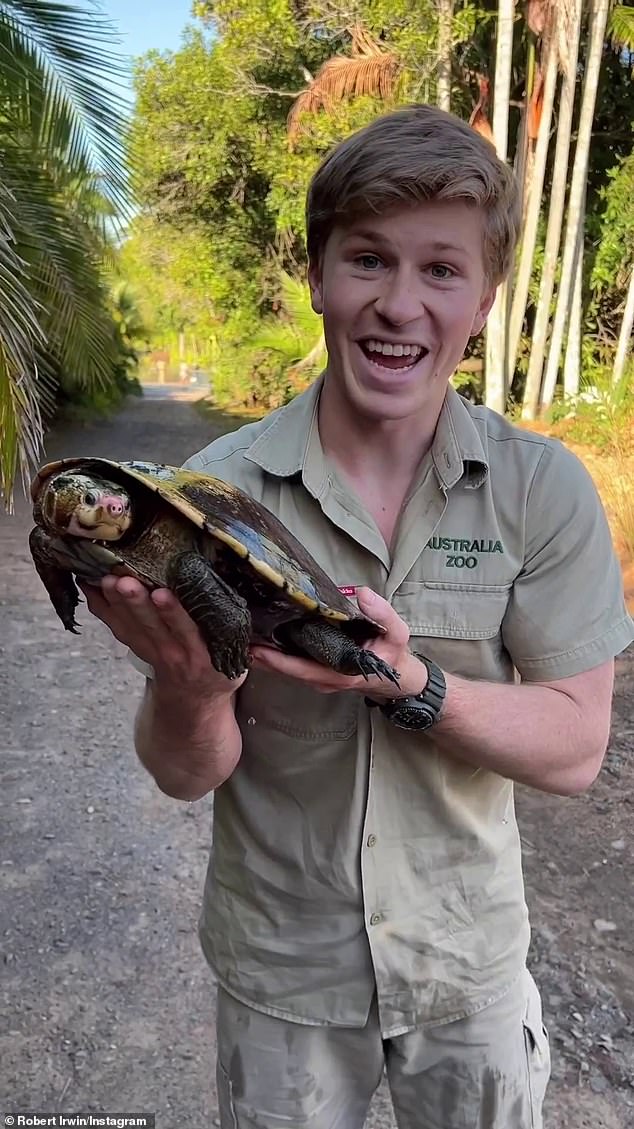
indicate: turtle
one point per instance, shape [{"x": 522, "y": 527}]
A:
[{"x": 242, "y": 576}]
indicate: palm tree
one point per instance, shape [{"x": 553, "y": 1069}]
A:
[
  {"x": 445, "y": 17},
  {"x": 569, "y": 34},
  {"x": 546, "y": 86},
  {"x": 297, "y": 339},
  {"x": 496, "y": 333},
  {"x": 621, "y": 31},
  {"x": 573, "y": 242},
  {"x": 625, "y": 333},
  {"x": 62, "y": 184}
]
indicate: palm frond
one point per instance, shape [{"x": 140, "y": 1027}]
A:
[
  {"x": 370, "y": 69},
  {"x": 20, "y": 337},
  {"x": 53, "y": 61},
  {"x": 63, "y": 178},
  {"x": 621, "y": 27},
  {"x": 297, "y": 303},
  {"x": 65, "y": 276}
]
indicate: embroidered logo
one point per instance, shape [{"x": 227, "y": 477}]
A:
[{"x": 463, "y": 552}]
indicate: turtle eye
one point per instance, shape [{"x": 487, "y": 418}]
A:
[{"x": 90, "y": 499}]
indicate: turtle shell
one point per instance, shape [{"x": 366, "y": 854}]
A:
[{"x": 232, "y": 517}]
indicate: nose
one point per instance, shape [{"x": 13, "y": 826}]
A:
[
  {"x": 401, "y": 298},
  {"x": 113, "y": 505}
]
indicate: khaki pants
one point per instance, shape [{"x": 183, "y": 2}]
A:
[{"x": 488, "y": 1071}]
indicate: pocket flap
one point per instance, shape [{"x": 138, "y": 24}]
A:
[{"x": 450, "y": 613}]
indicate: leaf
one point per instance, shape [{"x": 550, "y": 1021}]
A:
[
  {"x": 621, "y": 27},
  {"x": 63, "y": 176},
  {"x": 370, "y": 70}
]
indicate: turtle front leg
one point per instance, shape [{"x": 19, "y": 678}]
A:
[
  {"x": 328, "y": 644},
  {"x": 220, "y": 614},
  {"x": 59, "y": 582}
]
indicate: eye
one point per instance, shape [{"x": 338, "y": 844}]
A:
[
  {"x": 90, "y": 499},
  {"x": 368, "y": 262},
  {"x": 442, "y": 272}
]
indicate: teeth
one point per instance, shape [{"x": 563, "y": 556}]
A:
[{"x": 389, "y": 350}]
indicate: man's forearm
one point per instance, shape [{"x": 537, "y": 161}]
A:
[
  {"x": 191, "y": 746},
  {"x": 530, "y": 733}
]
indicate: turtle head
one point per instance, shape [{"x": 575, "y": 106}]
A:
[{"x": 84, "y": 505}]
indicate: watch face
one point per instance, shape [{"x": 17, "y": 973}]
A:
[{"x": 412, "y": 716}]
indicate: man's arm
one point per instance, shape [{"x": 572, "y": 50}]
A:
[
  {"x": 189, "y": 745},
  {"x": 551, "y": 735},
  {"x": 186, "y": 734}
]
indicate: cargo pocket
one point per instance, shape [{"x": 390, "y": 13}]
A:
[
  {"x": 293, "y": 708},
  {"x": 537, "y": 1048}
]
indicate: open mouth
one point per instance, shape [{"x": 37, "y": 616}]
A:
[{"x": 390, "y": 355}]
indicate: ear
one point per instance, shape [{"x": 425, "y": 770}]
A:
[
  {"x": 483, "y": 311},
  {"x": 315, "y": 285}
]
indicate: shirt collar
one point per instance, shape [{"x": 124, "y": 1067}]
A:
[
  {"x": 290, "y": 445},
  {"x": 457, "y": 449}
]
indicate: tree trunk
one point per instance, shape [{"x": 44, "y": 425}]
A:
[
  {"x": 445, "y": 17},
  {"x": 533, "y": 208},
  {"x": 568, "y": 38},
  {"x": 572, "y": 360},
  {"x": 496, "y": 333},
  {"x": 625, "y": 334},
  {"x": 599, "y": 17}
]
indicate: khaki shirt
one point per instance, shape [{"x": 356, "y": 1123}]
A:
[{"x": 350, "y": 856}]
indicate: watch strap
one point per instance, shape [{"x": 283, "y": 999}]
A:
[{"x": 417, "y": 711}]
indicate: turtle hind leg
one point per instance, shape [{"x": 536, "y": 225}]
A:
[
  {"x": 220, "y": 614},
  {"x": 59, "y": 582},
  {"x": 329, "y": 645}
]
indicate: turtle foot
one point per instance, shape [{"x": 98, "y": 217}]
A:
[
  {"x": 369, "y": 664},
  {"x": 220, "y": 614}
]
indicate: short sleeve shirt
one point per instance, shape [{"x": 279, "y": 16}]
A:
[{"x": 350, "y": 857}]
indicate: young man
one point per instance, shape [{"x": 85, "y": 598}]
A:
[{"x": 364, "y": 905}]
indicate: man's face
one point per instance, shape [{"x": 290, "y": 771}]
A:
[{"x": 401, "y": 293}]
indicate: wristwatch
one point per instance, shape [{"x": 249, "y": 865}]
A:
[{"x": 417, "y": 711}]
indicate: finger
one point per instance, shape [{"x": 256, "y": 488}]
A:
[
  {"x": 378, "y": 609},
  {"x": 95, "y": 599},
  {"x": 177, "y": 620}
]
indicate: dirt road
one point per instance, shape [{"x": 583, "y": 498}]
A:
[{"x": 108, "y": 1004}]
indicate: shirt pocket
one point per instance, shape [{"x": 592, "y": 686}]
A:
[
  {"x": 460, "y": 629},
  {"x": 288, "y": 706}
]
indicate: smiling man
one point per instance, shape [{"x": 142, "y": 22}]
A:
[{"x": 364, "y": 907}]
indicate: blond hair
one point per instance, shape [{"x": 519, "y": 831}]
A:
[{"x": 415, "y": 154}]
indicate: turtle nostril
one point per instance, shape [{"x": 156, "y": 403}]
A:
[{"x": 115, "y": 509}]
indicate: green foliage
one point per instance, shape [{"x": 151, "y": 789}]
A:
[
  {"x": 222, "y": 186},
  {"x": 63, "y": 176},
  {"x": 613, "y": 260}
]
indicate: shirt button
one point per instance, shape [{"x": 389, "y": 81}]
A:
[
  {"x": 376, "y": 919},
  {"x": 371, "y": 841}
]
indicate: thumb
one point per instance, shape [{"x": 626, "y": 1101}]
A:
[{"x": 375, "y": 607}]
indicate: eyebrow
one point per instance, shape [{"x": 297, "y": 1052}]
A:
[{"x": 371, "y": 236}]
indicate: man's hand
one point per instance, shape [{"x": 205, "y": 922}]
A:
[
  {"x": 158, "y": 630},
  {"x": 393, "y": 647}
]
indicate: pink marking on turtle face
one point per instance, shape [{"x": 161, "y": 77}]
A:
[{"x": 113, "y": 505}]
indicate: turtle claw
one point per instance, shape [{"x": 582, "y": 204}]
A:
[{"x": 369, "y": 663}]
